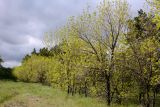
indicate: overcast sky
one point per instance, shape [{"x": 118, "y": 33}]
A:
[{"x": 24, "y": 22}]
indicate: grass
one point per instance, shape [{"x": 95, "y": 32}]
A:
[{"x": 19, "y": 94}]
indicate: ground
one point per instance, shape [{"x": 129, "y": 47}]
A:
[{"x": 19, "y": 94}]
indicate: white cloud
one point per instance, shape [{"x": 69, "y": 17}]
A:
[
  {"x": 35, "y": 42},
  {"x": 11, "y": 63}
]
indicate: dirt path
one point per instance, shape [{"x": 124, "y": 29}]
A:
[{"x": 26, "y": 101}]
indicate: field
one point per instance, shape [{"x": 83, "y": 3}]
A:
[{"x": 19, "y": 94}]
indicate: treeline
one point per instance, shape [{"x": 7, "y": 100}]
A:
[
  {"x": 104, "y": 53},
  {"x": 5, "y": 73}
]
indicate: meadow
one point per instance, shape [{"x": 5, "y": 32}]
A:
[{"x": 20, "y": 94}]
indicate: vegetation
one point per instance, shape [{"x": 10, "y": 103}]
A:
[
  {"x": 6, "y": 73},
  {"x": 1, "y": 61},
  {"x": 104, "y": 54},
  {"x": 155, "y": 6},
  {"x": 18, "y": 94}
]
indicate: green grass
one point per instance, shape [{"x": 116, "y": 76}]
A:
[{"x": 19, "y": 94}]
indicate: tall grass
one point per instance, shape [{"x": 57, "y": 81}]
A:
[{"x": 19, "y": 93}]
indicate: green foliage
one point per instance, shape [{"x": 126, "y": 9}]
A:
[
  {"x": 34, "y": 69},
  {"x": 1, "y": 60},
  {"x": 102, "y": 54},
  {"x": 5, "y": 73},
  {"x": 144, "y": 44},
  {"x": 155, "y": 6}
]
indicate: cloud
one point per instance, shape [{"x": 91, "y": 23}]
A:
[
  {"x": 24, "y": 22},
  {"x": 14, "y": 53},
  {"x": 11, "y": 63}
]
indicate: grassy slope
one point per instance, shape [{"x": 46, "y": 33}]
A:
[{"x": 18, "y": 94}]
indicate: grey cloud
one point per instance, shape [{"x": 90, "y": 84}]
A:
[
  {"x": 24, "y": 22},
  {"x": 15, "y": 53}
]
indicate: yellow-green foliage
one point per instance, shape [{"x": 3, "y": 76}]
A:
[
  {"x": 38, "y": 69},
  {"x": 100, "y": 54},
  {"x": 155, "y": 6}
]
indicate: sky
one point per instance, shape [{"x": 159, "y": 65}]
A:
[{"x": 23, "y": 23}]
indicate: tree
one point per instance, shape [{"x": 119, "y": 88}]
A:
[
  {"x": 44, "y": 52},
  {"x": 114, "y": 25},
  {"x": 155, "y": 6},
  {"x": 1, "y": 60},
  {"x": 101, "y": 32},
  {"x": 26, "y": 57},
  {"x": 144, "y": 46},
  {"x": 34, "y": 51},
  {"x": 102, "y": 53}
]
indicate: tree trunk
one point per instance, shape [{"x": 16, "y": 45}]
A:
[
  {"x": 108, "y": 78},
  {"x": 68, "y": 90},
  {"x": 147, "y": 96},
  {"x": 140, "y": 98},
  {"x": 69, "y": 87},
  {"x": 73, "y": 89},
  {"x": 73, "y": 85},
  {"x": 108, "y": 89},
  {"x": 86, "y": 89},
  {"x": 80, "y": 89},
  {"x": 154, "y": 97}
]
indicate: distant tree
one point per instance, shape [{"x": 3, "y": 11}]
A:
[
  {"x": 1, "y": 60},
  {"x": 56, "y": 49},
  {"x": 26, "y": 58},
  {"x": 34, "y": 52},
  {"x": 44, "y": 52},
  {"x": 5, "y": 73}
]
